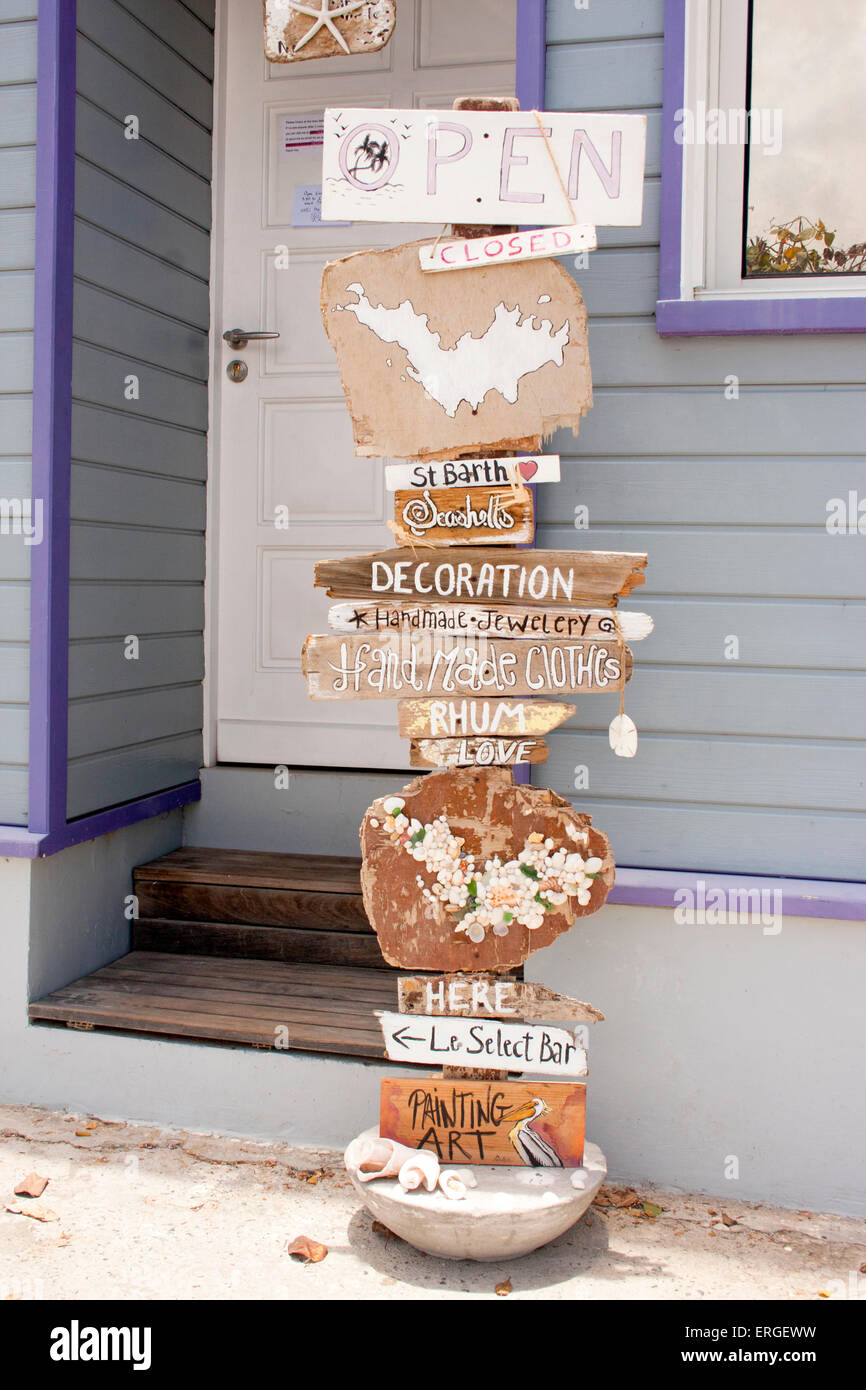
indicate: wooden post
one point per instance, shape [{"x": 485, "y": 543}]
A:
[{"x": 465, "y": 230}]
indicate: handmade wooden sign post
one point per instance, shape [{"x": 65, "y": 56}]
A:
[{"x": 467, "y": 871}]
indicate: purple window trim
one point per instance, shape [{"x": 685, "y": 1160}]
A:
[{"x": 678, "y": 317}]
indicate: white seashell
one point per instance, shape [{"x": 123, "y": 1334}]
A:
[
  {"x": 421, "y": 1167},
  {"x": 623, "y": 736},
  {"x": 456, "y": 1184},
  {"x": 377, "y": 1158}
]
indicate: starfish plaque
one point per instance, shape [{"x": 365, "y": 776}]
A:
[{"x": 326, "y": 28}]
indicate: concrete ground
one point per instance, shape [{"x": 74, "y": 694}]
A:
[{"x": 149, "y": 1213}]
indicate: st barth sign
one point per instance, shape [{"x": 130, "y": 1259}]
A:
[{"x": 497, "y": 167}]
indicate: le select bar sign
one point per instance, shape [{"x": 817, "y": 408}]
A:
[{"x": 497, "y": 167}]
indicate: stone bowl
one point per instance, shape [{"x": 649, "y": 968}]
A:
[{"x": 511, "y": 1212}]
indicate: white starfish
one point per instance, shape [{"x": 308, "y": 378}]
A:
[{"x": 324, "y": 17}]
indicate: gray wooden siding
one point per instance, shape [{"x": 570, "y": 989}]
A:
[
  {"x": 17, "y": 202},
  {"x": 751, "y": 765},
  {"x": 138, "y": 471}
]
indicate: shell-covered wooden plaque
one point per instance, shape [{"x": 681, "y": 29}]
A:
[
  {"x": 463, "y": 870},
  {"x": 299, "y": 29}
]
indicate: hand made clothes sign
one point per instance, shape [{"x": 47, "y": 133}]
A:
[{"x": 463, "y": 871}]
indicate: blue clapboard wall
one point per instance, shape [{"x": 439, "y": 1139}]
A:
[
  {"x": 17, "y": 201},
  {"x": 755, "y": 764},
  {"x": 139, "y": 448}
]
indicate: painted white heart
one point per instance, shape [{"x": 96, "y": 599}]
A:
[{"x": 623, "y": 736}]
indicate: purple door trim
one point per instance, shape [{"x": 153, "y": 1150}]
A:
[
  {"x": 52, "y": 406},
  {"x": 678, "y": 317}
]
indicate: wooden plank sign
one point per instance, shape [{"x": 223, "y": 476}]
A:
[
  {"x": 483, "y": 166},
  {"x": 440, "y": 719},
  {"x": 476, "y": 620},
  {"x": 461, "y": 516},
  {"x": 492, "y": 925},
  {"x": 294, "y": 32},
  {"x": 557, "y": 578},
  {"x": 386, "y": 665},
  {"x": 488, "y": 996},
  {"x": 514, "y": 246},
  {"x": 460, "y": 1042},
  {"x": 477, "y": 752},
  {"x": 522, "y": 468},
  {"x": 526, "y": 1123},
  {"x": 433, "y": 368}
]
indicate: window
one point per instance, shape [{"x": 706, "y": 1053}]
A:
[{"x": 764, "y": 168}]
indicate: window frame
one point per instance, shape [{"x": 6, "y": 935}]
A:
[{"x": 690, "y": 179}]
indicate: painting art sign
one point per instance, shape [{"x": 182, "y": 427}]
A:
[
  {"x": 496, "y": 167},
  {"x": 535, "y": 1124},
  {"x": 434, "y": 367}
]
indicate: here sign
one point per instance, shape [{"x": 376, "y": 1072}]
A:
[{"x": 497, "y": 167}]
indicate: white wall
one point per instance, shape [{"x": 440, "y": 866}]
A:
[{"x": 719, "y": 1041}]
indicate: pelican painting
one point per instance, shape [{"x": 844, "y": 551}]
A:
[{"x": 533, "y": 1150}]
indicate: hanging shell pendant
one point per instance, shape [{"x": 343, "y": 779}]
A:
[{"x": 623, "y": 736}]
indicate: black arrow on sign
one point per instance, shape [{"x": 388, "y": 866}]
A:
[{"x": 398, "y": 1037}]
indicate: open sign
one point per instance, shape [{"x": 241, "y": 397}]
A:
[{"x": 495, "y": 167}]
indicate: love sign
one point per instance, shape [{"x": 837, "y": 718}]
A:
[{"x": 497, "y": 167}]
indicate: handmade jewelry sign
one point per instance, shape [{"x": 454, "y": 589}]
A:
[
  {"x": 483, "y": 166},
  {"x": 460, "y": 1042},
  {"x": 321, "y": 29},
  {"x": 433, "y": 368},
  {"x": 517, "y": 246},
  {"x": 531, "y": 1123},
  {"x": 474, "y": 619},
  {"x": 524, "y": 468}
]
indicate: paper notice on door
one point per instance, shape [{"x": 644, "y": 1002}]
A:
[
  {"x": 307, "y": 207},
  {"x": 302, "y": 133}
]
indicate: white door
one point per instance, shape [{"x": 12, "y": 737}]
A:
[{"x": 281, "y": 440}]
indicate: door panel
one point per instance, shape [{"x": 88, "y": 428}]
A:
[{"x": 282, "y": 447}]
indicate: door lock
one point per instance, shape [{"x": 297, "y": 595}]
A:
[{"x": 237, "y": 370}]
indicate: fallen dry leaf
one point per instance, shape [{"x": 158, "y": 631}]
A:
[
  {"x": 587, "y": 1220},
  {"x": 711, "y": 1211},
  {"x": 32, "y": 1186},
  {"x": 309, "y": 1251},
  {"x": 37, "y": 1210},
  {"x": 83, "y": 1134},
  {"x": 728, "y": 1220},
  {"x": 651, "y": 1209},
  {"x": 824, "y": 1293},
  {"x": 382, "y": 1230},
  {"x": 863, "y": 1269},
  {"x": 503, "y": 1289}
]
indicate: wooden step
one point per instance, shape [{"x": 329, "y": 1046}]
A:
[
  {"x": 324, "y": 947},
  {"x": 326, "y": 1009}
]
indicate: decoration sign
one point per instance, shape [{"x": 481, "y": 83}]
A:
[
  {"x": 458, "y": 516},
  {"x": 556, "y": 577},
  {"x": 460, "y": 1042},
  {"x": 516, "y": 246},
  {"x": 435, "y": 368},
  {"x": 536, "y": 1124},
  {"x": 496, "y": 167},
  {"x": 524, "y": 468}
]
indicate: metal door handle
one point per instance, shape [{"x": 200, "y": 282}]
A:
[{"x": 239, "y": 337}]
